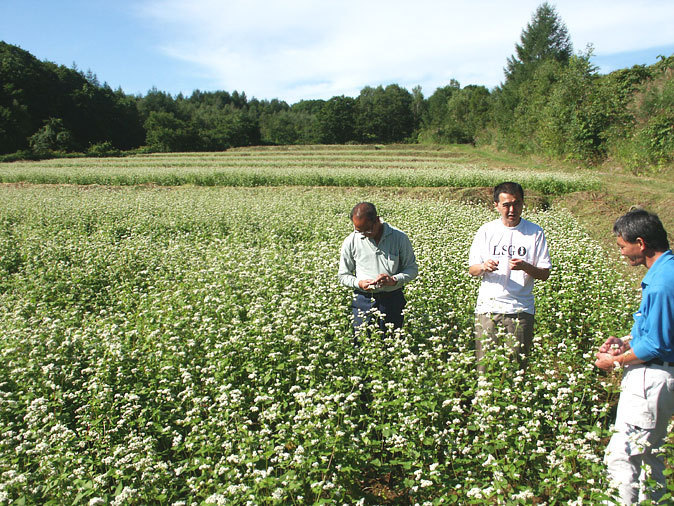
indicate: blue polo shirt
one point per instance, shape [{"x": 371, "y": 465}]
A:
[{"x": 653, "y": 329}]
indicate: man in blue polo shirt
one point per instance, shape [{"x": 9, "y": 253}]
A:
[
  {"x": 376, "y": 261},
  {"x": 646, "y": 401}
]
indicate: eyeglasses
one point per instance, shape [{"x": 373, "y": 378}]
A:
[{"x": 367, "y": 231}]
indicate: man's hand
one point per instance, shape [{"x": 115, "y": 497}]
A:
[
  {"x": 615, "y": 350},
  {"x": 384, "y": 280},
  {"x": 366, "y": 284},
  {"x": 614, "y": 346},
  {"x": 371, "y": 284},
  {"x": 517, "y": 264},
  {"x": 479, "y": 269},
  {"x": 606, "y": 362}
]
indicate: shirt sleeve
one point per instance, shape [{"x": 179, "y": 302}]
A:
[
  {"x": 653, "y": 328},
  {"x": 347, "y": 266},
  {"x": 475, "y": 253},
  {"x": 542, "y": 253},
  {"x": 407, "y": 262}
]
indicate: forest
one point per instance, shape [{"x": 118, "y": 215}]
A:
[{"x": 553, "y": 102}]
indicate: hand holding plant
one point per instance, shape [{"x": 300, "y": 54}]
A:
[{"x": 614, "y": 346}]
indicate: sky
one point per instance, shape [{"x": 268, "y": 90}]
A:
[{"x": 296, "y": 50}]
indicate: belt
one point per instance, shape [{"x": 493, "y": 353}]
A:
[
  {"x": 657, "y": 361},
  {"x": 379, "y": 294}
]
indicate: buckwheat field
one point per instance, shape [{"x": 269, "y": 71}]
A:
[{"x": 191, "y": 345}]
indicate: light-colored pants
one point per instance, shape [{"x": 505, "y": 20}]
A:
[
  {"x": 518, "y": 326},
  {"x": 645, "y": 407}
]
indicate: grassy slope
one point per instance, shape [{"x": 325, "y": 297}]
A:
[{"x": 597, "y": 210}]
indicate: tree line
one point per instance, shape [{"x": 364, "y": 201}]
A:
[{"x": 552, "y": 103}]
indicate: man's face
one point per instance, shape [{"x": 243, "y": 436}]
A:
[
  {"x": 366, "y": 227},
  {"x": 510, "y": 208},
  {"x": 632, "y": 251}
]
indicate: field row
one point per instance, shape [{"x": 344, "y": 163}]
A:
[
  {"x": 192, "y": 345},
  {"x": 356, "y": 167}
]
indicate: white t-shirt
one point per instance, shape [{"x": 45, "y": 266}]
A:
[{"x": 505, "y": 291}]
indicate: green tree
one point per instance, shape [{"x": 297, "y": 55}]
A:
[
  {"x": 647, "y": 140},
  {"x": 156, "y": 101},
  {"x": 571, "y": 120},
  {"x": 435, "y": 115},
  {"x": 384, "y": 114},
  {"x": 32, "y": 92},
  {"x": 545, "y": 37},
  {"x": 26, "y": 97},
  {"x": 336, "y": 120},
  {"x": 467, "y": 114},
  {"x": 297, "y": 125},
  {"x": 419, "y": 105},
  {"x": 53, "y": 136},
  {"x": 308, "y": 106},
  {"x": 166, "y": 133},
  {"x": 543, "y": 50}
]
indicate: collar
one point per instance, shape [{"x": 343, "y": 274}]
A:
[
  {"x": 516, "y": 227},
  {"x": 657, "y": 268}
]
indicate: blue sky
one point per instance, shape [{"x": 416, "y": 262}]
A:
[{"x": 304, "y": 49}]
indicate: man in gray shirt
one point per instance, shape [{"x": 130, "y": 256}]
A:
[{"x": 376, "y": 261}]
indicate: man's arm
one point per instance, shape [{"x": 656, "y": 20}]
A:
[
  {"x": 655, "y": 326},
  {"x": 479, "y": 269},
  {"x": 517, "y": 264}
]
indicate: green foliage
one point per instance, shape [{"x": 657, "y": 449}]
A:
[
  {"x": 166, "y": 133},
  {"x": 530, "y": 76},
  {"x": 32, "y": 92},
  {"x": 384, "y": 115},
  {"x": 577, "y": 114},
  {"x": 103, "y": 149},
  {"x": 648, "y": 142},
  {"x": 232, "y": 128},
  {"x": 53, "y": 136},
  {"x": 336, "y": 120},
  {"x": 435, "y": 114},
  {"x": 518, "y": 128},
  {"x": 456, "y": 115},
  {"x": 311, "y": 107},
  {"x": 544, "y": 38},
  {"x": 24, "y": 99},
  {"x": 552, "y": 103}
]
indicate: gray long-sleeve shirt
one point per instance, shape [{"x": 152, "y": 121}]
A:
[{"x": 363, "y": 258}]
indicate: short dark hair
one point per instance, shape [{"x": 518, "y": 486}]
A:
[
  {"x": 510, "y": 188},
  {"x": 641, "y": 223},
  {"x": 364, "y": 209}
]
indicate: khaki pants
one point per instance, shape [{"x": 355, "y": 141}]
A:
[
  {"x": 520, "y": 334},
  {"x": 645, "y": 407}
]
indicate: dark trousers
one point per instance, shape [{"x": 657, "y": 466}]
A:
[{"x": 390, "y": 304}]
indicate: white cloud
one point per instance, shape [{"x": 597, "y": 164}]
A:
[
  {"x": 618, "y": 26},
  {"x": 318, "y": 49}
]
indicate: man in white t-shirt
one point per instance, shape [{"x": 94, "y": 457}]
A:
[{"x": 509, "y": 253}]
